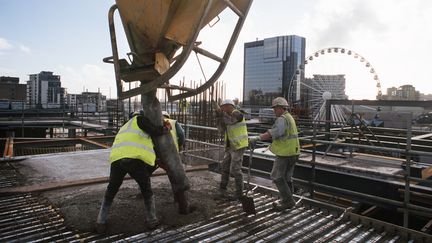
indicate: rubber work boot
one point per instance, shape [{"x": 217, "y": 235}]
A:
[
  {"x": 183, "y": 203},
  {"x": 220, "y": 194},
  {"x": 224, "y": 181},
  {"x": 239, "y": 189},
  {"x": 102, "y": 216},
  {"x": 282, "y": 205},
  {"x": 222, "y": 191},
  {"x": 150, "y": 213}
]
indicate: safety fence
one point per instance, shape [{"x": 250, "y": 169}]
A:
[{"x": 318, "y": 146}]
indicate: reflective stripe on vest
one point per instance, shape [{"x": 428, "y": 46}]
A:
[
  {"x": 174, "y": 132},
  {"x": 237, "y": 135},
  {"x": 131, "y": 142},
  {"x": 288, "y": 145}
]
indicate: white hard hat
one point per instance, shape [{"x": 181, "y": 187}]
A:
[
  {"x": 280, "y": 101},
  {"x": 165, "y": 114},
  {"x": 228, "y": 102}
]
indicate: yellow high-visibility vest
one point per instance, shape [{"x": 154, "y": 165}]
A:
[
  {"x": 289, "y": 144},
  {"x": 237, "y": 135},
  {"x": 173, "y": 132},
  {"x": 133, "y": 143}
]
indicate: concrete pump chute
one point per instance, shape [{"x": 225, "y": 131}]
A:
[{"x": 155, "y": 30}]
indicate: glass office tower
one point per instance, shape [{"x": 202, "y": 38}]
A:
[{"x": 273, "y": 67}]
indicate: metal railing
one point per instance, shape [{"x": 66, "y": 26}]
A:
[{"x": 406, "y": 206}]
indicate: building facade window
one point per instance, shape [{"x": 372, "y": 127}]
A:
[{"x": 271, "y": 67}]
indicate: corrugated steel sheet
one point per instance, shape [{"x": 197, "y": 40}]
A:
[{"x": 27, "y": 217}]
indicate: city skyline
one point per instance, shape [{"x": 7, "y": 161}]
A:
[{"x": 392, "y": 35}]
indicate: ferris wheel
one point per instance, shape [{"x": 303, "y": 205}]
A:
[{"x": 315, "y": 91}]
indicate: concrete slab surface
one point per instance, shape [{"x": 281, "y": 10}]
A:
[{"x": 65, "y": 166}]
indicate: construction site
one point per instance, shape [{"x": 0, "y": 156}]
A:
[{"x": 359, "y": 178}]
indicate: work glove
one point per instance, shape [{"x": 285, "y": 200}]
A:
[
  {"x": 167, "y": 125},
  {"x": 253, "y": 141}
]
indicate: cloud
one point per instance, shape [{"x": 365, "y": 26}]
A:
[
  {"x": 100, "y": 78},
  {"x": 5, "y": 45},
  {"x": 391, "y": 34},
  {"x": 339, "y": 22},
  {"x": 70, "y": 78},
  {"x": 89, "y": 77},
  {"x": 25, "y": 49}
]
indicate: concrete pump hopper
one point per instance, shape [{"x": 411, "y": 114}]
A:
[{"x": 155, "y": 30}]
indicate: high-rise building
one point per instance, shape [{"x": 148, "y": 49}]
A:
[
  {"x": 44, "y": 91},
  {"x": 71, "y": 100},
  {"x": 11, "y": 89},
  {"x": 88, "y": 100},
  {"x": 404, "y": 92},
  {"x": 273, "y": 67}
]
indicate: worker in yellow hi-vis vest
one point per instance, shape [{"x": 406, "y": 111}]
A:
[
  {"x": 285, "y": 145},
  {"x": 177, "y": 131},
  {"x": 132, "y": 153},
  {"x": 178, "y": 136},
  {"x": 232, "y": 123}
]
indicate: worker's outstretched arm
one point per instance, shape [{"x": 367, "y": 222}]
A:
[
  {"x": 180, "y": 135},
  {"x": 236, "y": 116}
]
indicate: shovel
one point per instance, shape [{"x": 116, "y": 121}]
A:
[{"x": 247, "y": 202}]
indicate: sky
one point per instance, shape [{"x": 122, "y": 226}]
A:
[{"x": 70, "y": 38}]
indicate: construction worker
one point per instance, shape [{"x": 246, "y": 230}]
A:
[
  {"x": 166, "y": 150},
  {"x": 178, "y": 136},
  {"x": 231, "y": 122},
  {"x": 132, "y": 153},
  {"x": 285, "y": 145},
  {"x": 176, "y": 132}
]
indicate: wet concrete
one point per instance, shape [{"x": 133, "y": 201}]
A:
[
  {"x": 65, "y": 166},
  {"x": 80, "y": 205}
]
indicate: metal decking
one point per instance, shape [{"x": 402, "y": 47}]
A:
[
  {"x": 303, "y": 224},
  {"x": 28, "y": 217}
]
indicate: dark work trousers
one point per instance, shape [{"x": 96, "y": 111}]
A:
[
  {"x": 137, "y": 169},
  {"x": 281, "y": 174}
]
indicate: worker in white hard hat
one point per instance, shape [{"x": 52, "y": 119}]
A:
[
  {"x": 178, "y": 136},
  {"x": 285, "y": 145},
  {"x": 232, "y": 123},
  {"x": 177, "y": 131},
  {"x": 166, "y": 114}
]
